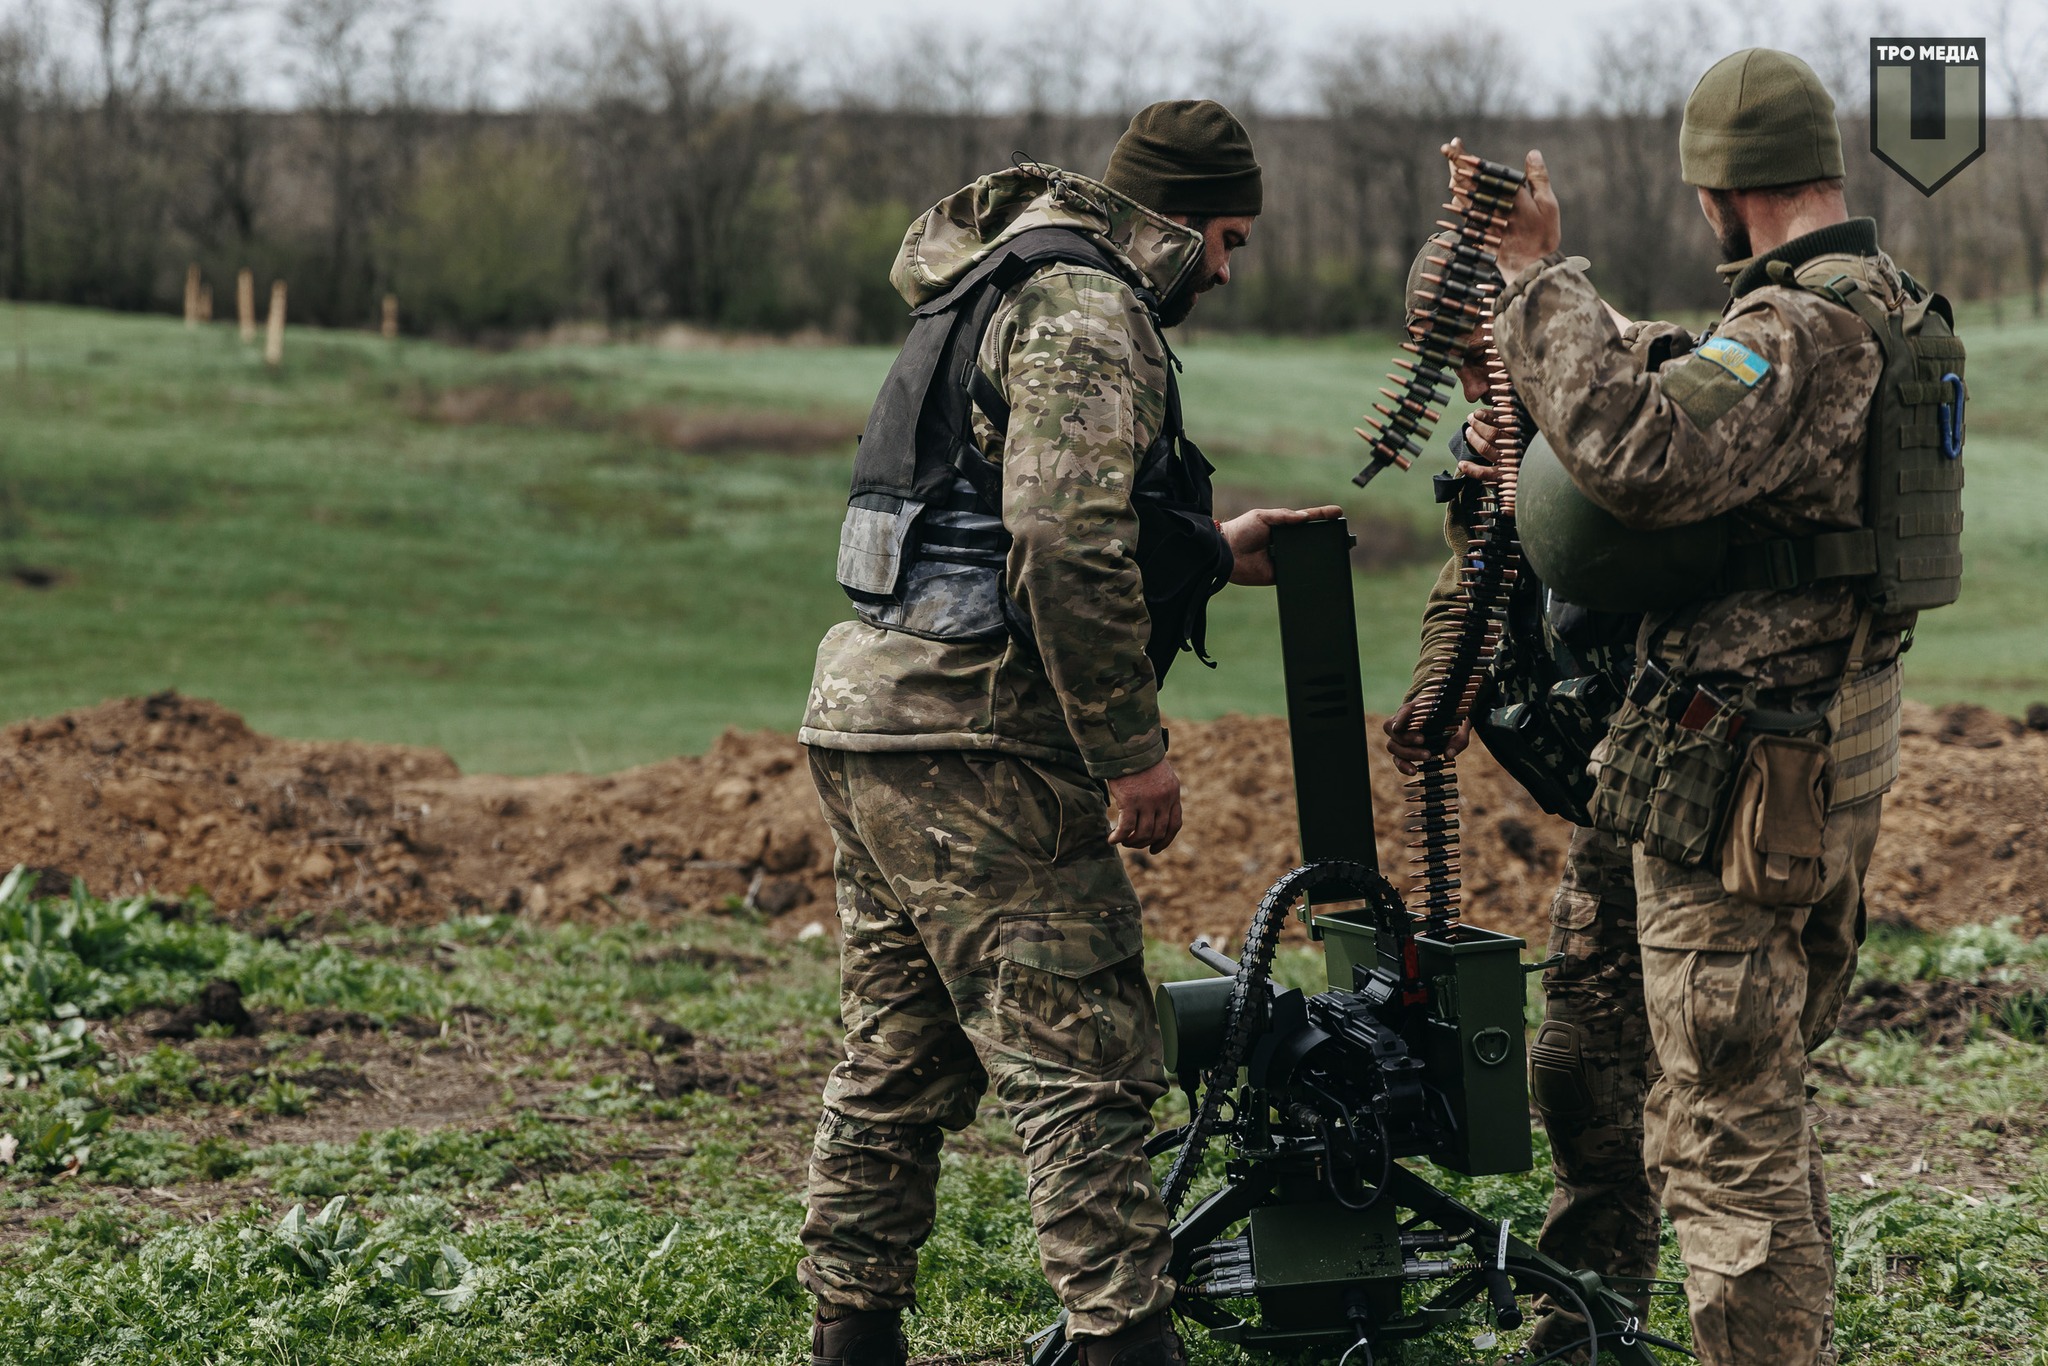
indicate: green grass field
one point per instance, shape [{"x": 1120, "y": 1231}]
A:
[
  {"x": 585, "y": 1144},
  {"x": 585, "y": 557},
  {"x": 486, "y": 1141}
]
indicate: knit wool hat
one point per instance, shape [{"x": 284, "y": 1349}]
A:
[
  {"x": 1759, "y": 117},
  {"x": 1187, "y": 156}
]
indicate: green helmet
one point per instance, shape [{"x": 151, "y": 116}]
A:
[{"x": 1587, "y": 557}]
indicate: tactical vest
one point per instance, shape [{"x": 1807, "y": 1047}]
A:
[
  {"x": 923, "y": 547},
  {"x": 1907, "y": 555}
]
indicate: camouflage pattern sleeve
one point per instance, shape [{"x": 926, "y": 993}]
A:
[
  {"x": 1654, "y": 343},
  {"x": 1072, "y": 356},
  {"x": 1438, "y": 626},
  {"x": 1782, "y": 384}
]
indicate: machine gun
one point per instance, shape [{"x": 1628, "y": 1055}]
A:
[{"x": 1319, "y": 1240}]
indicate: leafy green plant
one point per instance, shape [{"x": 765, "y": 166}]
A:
[
  {"x": 444, "y": 1275},
  {"x": 330, "y": 1241},
  {"x": 60, "y": 1140},
  {"x": 282, "y": 1096},
  {"x": 2024, "y": 1015},
  {"x": 38, "y": 1051}
]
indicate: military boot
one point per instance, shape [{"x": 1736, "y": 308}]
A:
[
  {"x": 859, "y": 1337},
  {"x": 1152, "y": 1342}
]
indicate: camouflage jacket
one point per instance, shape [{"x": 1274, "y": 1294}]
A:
[
  {"x": 1764, "y": 420},
  {"x": 1084, "y": 370},
  {"x": 1649, "y": 343}
]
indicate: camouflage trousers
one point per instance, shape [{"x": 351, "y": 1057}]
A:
[
  {"x": 1738, "y": 995},
  {"x": 1590, "y": 1070},
  {"x": 1593, "y": 1066},
  {"x": 989, "y": 936}
]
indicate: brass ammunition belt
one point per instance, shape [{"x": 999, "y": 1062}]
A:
[{"x": 1457, "y": 301}]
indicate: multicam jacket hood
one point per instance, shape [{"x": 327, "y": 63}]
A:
[
  {"x": 963, "y": 228},
  {"x": 1078, "y": 357}
]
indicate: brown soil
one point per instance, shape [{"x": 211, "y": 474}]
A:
[
  {"x": 1940, "y": 1010},
  {"x": 694, "y": 430},
  {"x": 170, "y": 793},
  {"x": 472, "y": 1076}
]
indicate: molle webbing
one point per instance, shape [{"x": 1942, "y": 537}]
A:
[
  {"x": 1909, "y": 551},
  {"x": 1865, "y": 727}
]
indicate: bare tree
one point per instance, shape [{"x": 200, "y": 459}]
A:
[
  {"x": 1399, "y": 98},
  {"x": 680, "y": 127},
  {"x": 2018, "y": 46},
  {"x": 22, "y": 54},
  {"x": 355, "y": 60},
  {"x": 1642, "y": 73},
  {"x": 1233, "y": 55}
]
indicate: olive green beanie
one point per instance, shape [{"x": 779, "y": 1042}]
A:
[
  {"x": 1187, "y": 156},
  {"x": 1758, "y": 118}
]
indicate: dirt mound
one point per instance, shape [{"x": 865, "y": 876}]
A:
[
  {"x": 170, "y": 793},
  {"x": 1942, "y": 1010}
]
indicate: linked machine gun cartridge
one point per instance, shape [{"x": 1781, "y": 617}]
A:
[{"x": 1318, "y": 1241}]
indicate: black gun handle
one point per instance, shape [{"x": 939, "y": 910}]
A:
[{"x": 1501, "y": 1291}]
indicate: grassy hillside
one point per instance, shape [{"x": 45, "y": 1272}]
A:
[{"x": 591, "y": 556}]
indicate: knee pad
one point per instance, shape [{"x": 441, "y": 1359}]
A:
[{"x": 1557, "y": 1073}]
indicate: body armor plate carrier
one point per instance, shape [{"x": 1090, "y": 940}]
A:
[
  {"x": 923, "y": 548},
  {"x": 1907, "y": 555}
]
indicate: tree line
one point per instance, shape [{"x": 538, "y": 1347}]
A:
[{"x": 657, "y": 171}]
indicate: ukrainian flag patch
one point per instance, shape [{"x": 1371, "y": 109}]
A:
[{"x": 1737, "y": 359}]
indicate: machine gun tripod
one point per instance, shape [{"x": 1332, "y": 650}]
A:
[{"x": 1319, "y": 1239}]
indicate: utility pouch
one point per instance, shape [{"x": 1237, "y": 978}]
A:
[
  {"x": 1624, "y": 763},
  {"x": 1695, "y": 775},
  {"x": 872, "y": 543},
  {"x": 1772, "y": 852}
]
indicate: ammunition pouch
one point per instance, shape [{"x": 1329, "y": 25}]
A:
[
  {"x": 1772, "y": 853},
  {"x": 1665, "y": 772}
]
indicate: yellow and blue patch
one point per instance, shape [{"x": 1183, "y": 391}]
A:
[{"x": 1737, "y": 359}]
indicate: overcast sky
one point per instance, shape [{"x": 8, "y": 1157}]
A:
[{"x": 1556, "y": 35}]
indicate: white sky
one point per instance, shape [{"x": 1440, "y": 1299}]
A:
[{"x": 1556, "y": 35}]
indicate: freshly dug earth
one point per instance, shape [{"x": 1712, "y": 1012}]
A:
[{"x": 169, "y": 793}]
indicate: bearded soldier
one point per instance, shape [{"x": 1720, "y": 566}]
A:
[
  {"x": 1788, "y": 514},
  {"x": 1029, "y": 544}
]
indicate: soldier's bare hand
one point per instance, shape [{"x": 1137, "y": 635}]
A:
[
  {"x": 1147, "y": 808},
  {"x": 1251, "y": 536},
  {"x": 1533, "y": 231},
  {"x": 1406, "y": 745}
]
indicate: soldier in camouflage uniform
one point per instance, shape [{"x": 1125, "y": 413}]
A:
[
  {"x": 990, "y": 934},
  {"x": 1766, "y": 424},
  {"x": 1591, "y": 1060}
]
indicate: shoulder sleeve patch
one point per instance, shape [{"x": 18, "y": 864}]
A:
[
  {"x": 1713, "y": 379},
  {"x": 1737, "y": 359}
]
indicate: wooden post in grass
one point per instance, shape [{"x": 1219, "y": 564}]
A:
[
  {"x": 192, "y": 295},
  {"x": 245, "y": 303},
  {"x": 390, "y": 326},
  {"x": 206, "y": 303},
  {"x": 273, "y": 332}
]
